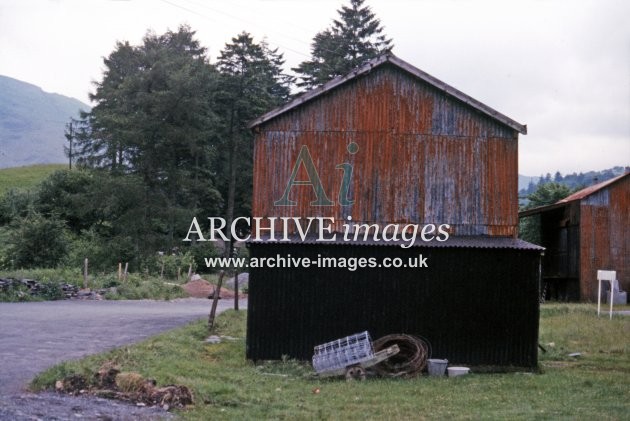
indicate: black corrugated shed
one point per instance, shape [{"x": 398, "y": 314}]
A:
[
  {"x": 476, "y": 302},
  {"x": 412, "y": 150}
]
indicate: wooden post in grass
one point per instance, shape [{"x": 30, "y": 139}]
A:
[
  {"x": 85, "y": 273},
  {"x": 119, "y": 271},
  {"x": 215, "y": 301},
  {"x": 189, "y": 272},
  {"x": 125, "y": 273},
  {"x": 236, "y": 289}
]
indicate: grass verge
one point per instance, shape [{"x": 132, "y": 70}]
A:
[{"x": 226, "y": 386}]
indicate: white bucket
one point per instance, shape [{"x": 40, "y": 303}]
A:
[
  {"x": 458, "y": 371},
  {"x": 437, "y": 367}
]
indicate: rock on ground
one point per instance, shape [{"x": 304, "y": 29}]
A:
[{"x": 243, "y": 281}]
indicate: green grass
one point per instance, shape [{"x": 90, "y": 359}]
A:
[
  {"x": 226, "y": 386},
  {"x": 25, "y": 178}
]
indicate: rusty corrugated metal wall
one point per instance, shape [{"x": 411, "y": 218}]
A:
[
  {"x": 476, "y": 306},
  {"x": 423, "y": 157},
  {"x": 605, "y": 236}
]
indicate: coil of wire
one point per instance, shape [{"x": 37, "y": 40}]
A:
[{"x": 409, "y": 362}]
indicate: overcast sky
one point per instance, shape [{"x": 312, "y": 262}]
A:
[{"x": 561, "y": 67}]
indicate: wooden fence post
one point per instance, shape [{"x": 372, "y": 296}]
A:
[
  {"x": 215, "y": 301},
  {"x": 85, "y": 273},
  {"x": 236, "y": 290}
]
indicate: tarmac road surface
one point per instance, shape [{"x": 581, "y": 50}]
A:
[{"x": 37, "y": 335}]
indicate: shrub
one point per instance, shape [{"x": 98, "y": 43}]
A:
[
  {"x": 104, "y": 254},
  {"x": 36, "y": 241},
  {"x": 15, "y": 204}
]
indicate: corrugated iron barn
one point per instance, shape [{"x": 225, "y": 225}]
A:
[
  {"x": 582, "y": 233},
  {"x": 391, "y": 144}
]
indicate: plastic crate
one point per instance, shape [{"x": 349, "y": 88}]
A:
[{"x": 343, "y": 352}]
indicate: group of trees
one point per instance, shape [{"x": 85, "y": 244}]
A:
[
  {"x": 166, "y": 140},
  {"x": 574, "y": 180}
]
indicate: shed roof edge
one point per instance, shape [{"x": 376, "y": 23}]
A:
[{"x": 409, "y": 68}]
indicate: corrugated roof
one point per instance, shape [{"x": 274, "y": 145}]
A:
[
  {"x": 480, "y": 242},
  {"x": 401, "y": 64},
  {"x": 578, "y": 195},
  {"x": 581, "y": 194}
]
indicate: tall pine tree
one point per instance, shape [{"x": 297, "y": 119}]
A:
[
  {"x": 357, "y": 36},
  {"x": 252, "y": 82}
]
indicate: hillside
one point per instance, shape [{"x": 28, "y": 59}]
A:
[
  {"x": 573, "y": 181},
  {"x": 25, "y": 178},
  {"x": 32, "y": 123},
  {"x": 524, "y": 180}
]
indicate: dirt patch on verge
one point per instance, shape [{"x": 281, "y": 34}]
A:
[{"x": 200, "y": 288}]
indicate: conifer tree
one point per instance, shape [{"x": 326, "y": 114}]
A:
[
  {"x": 357, "y": 36},
  {"x": 251, "y": 82}
]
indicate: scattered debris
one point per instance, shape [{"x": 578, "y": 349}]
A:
[
  {"x": 575, "y": 354},
  {"x": 274, "y": 374},
  {"x": 106, "y": 375},
  {"x": 110, "y": 383},
  {"x": 74, "y": 384},
  {"x": 132, "y": 382},
  {"x": 214, "y": 339},
  {"x": 229, "y": 338}
]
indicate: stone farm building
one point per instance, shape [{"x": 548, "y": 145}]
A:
[{"x": 390, "y": 144}]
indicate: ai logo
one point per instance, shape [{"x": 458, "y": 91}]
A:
[{"x": 304, "y": 158}]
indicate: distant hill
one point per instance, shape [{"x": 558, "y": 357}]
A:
[
  {"x": 524, "y": 180},
  {"x": 25, "y": 178},
  {"x": 573, "y": 181},
  {"x": 32, "y": 123}
]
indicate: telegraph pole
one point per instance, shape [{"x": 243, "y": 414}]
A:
[{"x": 70, "y": 137}]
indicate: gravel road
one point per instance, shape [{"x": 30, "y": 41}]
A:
[{"x": 36, "y": 335}]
